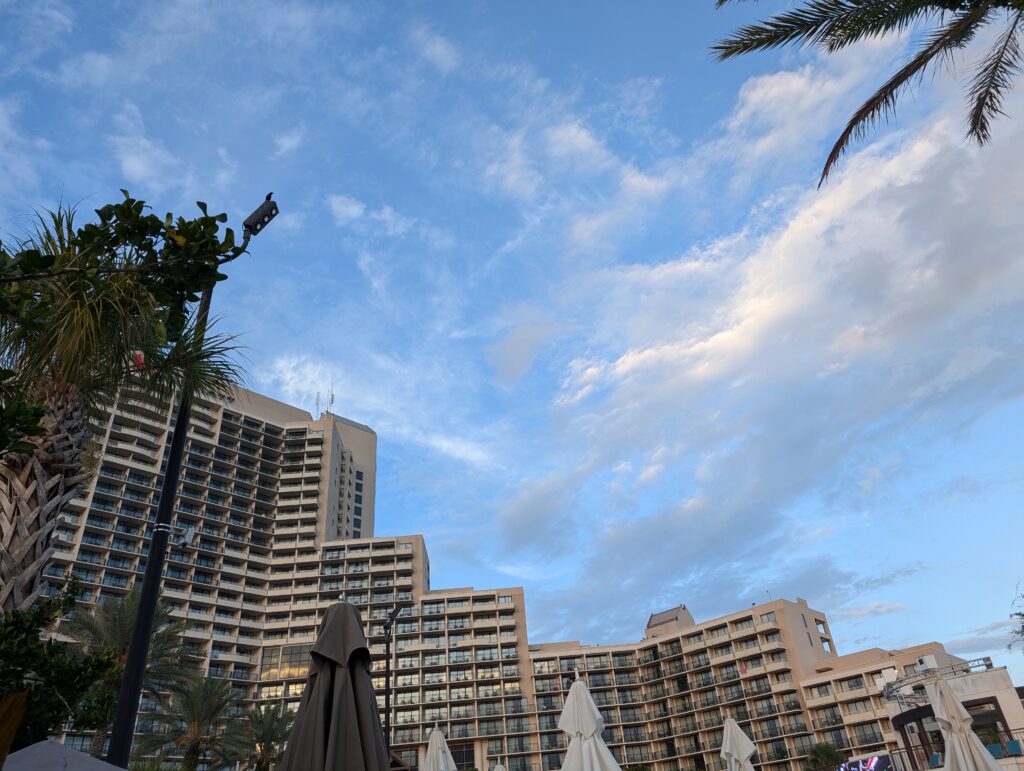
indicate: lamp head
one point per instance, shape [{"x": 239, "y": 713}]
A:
[{"x": 259, "y": 219}]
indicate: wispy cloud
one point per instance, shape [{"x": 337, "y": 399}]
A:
[
  {"x": 289, "y": 141},
  {"x": 436, "y": 49},
  {"x": 871, "y": 610},
  {"x": 143, "y": 160},
  {"x": 991, "y": 637}
]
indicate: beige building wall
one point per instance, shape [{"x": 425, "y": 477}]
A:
[
  {"x": 262, "y": 485},
  {"x": 845, "y": 701},
  {"x": 665, "y": 699}
]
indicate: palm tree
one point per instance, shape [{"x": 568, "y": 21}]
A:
[
  {"x": 67, "y": 335},
  {"x": 834, "y": 24},
  {"x": 823, "y": 757},
  {"x": 193, "y": 722},
  {"x": 109, "y": 627},
  {"x": 259, "y": 737}
]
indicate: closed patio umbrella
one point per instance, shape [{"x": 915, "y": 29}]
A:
[
  {"x": 964, "y": 750},
  {"x": 439, "y": 757},
  {"x": 581, "y": 720},
  {"x": 337, "y": 726},
  {"x": 737, "y": 749}
]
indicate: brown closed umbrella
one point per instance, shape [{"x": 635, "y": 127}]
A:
[{"x": 337, "y": 727}]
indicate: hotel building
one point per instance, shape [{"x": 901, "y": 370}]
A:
[
  {"x": 262, "y": 485},
  {"x": 274, "y": 522}
]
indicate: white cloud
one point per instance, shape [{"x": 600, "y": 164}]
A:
[
  {"x": 144, "y": 161},
  {"x": 20, "y": 155},
  {"x": 345, "y": 209},
  {"x": 289, "y": 141},
  {"x": 513, "y": 355},
  {"x": 92, "y": 69},
  {"x": 228, "y": 168},
  {"x": 436, "y": 49},
  {"x": 411, "y": 402},
  {"x": 732, "y": 351},
  {"x": 574, "y": 142},
  {"x": 512, "y": 170},
  {"x": 390, "y": 222}
]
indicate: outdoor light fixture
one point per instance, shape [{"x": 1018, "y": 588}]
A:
[
  {"x": 138, "y": 648},
  {"x": 258, "y": 220},
  {"x": 388, "y": 631}
]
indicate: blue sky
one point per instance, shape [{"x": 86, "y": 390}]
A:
[{"x": 617, "y": 347}]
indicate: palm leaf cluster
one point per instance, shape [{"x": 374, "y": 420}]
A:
[
  {"x": 109, "y": 628},
  {"x": 199, "y": 722},
  {"x": 79, "y": 308},
  {"x": 832, "y": 25}
]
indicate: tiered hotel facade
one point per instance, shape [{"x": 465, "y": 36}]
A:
[{"x": 274, "y": 523}]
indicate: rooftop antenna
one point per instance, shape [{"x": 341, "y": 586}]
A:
[
  {"x": 330, "y": 398},
  {"x": 316, "y": 412}
]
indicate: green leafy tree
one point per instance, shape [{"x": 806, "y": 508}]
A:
[
  {"x": 79, "y": 307},
  {"x": 55, "y": 677},
  {"x": 109, "y": 628},
  {"x": 823, "y": 757},
  {"x": 258, "y": 738},
  {"x": 193, "y": 722},
  {"x": 832, "y": 25}
]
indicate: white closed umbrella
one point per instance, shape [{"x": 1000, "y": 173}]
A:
[
  {"x": 737, "y": 749},
  {"x": 439, "y": 757},
  {"x": 964, "y": 750},
  {"x": 498, "y": 766},
  {"x": 581, "y": 720}
]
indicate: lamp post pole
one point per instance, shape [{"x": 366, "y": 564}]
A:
[
  {"x": 128, "y": 696},
  {"x": 388, "y": 630}
]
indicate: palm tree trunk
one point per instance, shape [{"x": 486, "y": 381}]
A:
[
  {"x": 96, "y": 744},
  {"x": 192, "y": 754},
  {"x": 34, "y": 488}
]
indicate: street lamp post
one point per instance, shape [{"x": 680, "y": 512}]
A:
[
  {"x": 138, "y": 648},
  {"x": 388, "y": 625}
]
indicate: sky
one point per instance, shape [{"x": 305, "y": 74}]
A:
[{"x": 617, "y": 346}]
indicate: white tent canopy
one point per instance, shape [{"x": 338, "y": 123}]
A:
[
  {"x": 439, "y": 757},
  {"x": 964, "y": 750},
  {"x": 53, "y": 756},
  {"x": 581, "y": 720},
  {"x": 737, "y": 749}
]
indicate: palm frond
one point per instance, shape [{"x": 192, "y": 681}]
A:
[
  {"x": 830, "y": 24},
  {"x": 993, "y": 79},
  {"x": 94, "y": 323},
  {"x": 210, "y": 364},
  {"x": 883, "y": 102}
]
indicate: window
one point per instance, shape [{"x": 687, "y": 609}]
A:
[{"x": 768, "y": 617}]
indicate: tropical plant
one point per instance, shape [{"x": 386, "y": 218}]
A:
[
  {"x": 85, "y": 314},
  {"x": 155, "y": 763},
  {"x": 109, "y": 627},
  {"x": 1017, "y": 619},
  {"x": 823, "y": 757},
  {"x": 54, "y": 677},
  {"x": 192, "y": 722},
  {"x": 258, "y": 737},
  {"x": 835, "y": 24}
]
